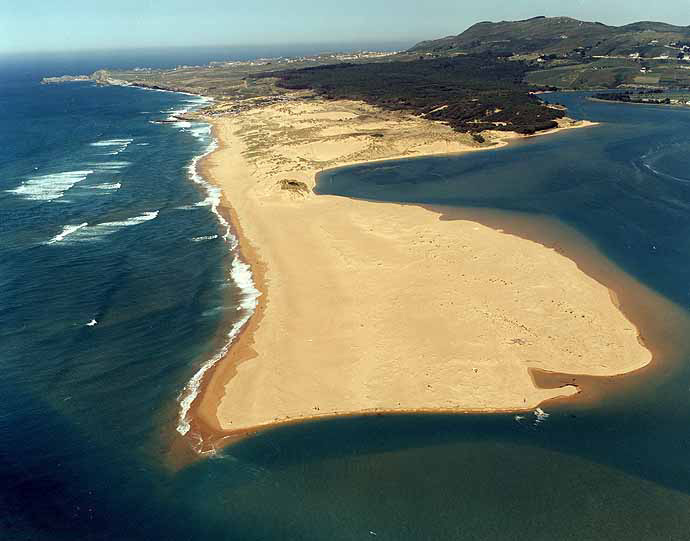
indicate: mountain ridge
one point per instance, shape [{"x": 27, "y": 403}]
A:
[{"x": 558, "y": 35}]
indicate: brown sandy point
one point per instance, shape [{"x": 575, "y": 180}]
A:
[{"x": 262, "y": 147}]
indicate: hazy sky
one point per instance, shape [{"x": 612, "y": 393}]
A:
[{"x": 37, "y": 25}]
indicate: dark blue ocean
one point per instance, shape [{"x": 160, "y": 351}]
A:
[{"x": 119, "y": 282}]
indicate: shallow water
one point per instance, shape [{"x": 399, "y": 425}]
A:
[{"x": 89, "y": 413}]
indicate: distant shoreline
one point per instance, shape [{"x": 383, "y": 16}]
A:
[{"x": 600, "y": 100}]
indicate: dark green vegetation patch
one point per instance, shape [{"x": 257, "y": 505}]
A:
[{"x": 471, "y": 93}]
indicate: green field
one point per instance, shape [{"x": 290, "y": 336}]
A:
[{"x": 614, "y": 72}]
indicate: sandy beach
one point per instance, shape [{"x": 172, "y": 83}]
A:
[{"x": 369, "y": 306}]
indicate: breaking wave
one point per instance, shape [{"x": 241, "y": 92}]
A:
[
  {"x": 85, "y": 232},
  {"x": 111, "y": 143},
  {"x": 66, "y": 231},
  {"x": 116, "y": 145},
  {"x": 240, "y": 273},
  {"x": 540, "y": 416},
  {"x": 242, "y": 276},
  {"x": 49, "y": 187},
  {"x": 107, "y": 186},
  {"x": 207, "y": 237},
  {"x": 194, "y": 103},
  {"x": 109, "y": 166},
  {"x": 201, "y": 131}
]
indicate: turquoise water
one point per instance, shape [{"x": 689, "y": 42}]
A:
[{"x": 90, "y": 413}]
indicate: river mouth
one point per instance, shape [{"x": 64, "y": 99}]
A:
[
  {"x": 611, "y": 463},
  {"x": 592, "y": 197}
]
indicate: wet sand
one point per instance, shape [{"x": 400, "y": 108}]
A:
[{"x": 379, "y": 307}]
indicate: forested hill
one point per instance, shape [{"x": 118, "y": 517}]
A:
[{"x": 562, "y": 35}]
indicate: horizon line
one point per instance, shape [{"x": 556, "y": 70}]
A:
[{"x": 255, "y": 45}]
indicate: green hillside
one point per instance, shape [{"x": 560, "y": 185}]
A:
[
  {"x": 567, "y": 53},
  {"x": 562, "y": 35}
]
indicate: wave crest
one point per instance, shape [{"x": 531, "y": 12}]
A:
[
  {"x": 49, "y": 187},
  {"x": 67, "y": 231},
  {"x": 241, "y": 275},
  {"x": 85, "y": 232},
  {"x": 107, "y": 186},
  {"x": 117, "y": 145}
]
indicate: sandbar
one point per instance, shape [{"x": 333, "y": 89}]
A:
[{"x": 382, "y": 307}]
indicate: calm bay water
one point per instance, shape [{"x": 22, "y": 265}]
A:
[{"x": 89, "y": 412}]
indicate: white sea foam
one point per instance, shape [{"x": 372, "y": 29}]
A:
[
  {"x": 66, "y": 231},
  {"x": 240, "y": 274},
  {"x": 109, "y": 166},
  {"x": 211, "y": 199},
  {"x": 49, "y": 187},
  {"x": 207, "y": 237},
  {"x": 174, "y": 113},
  {"x": 540, "y": 416},
  {"x": 188, "y": 105},
  {"x": 87, "y": 232},
  {"x": 107, "y": 186},
  {"x": 112, "y": 143},
  {"x": 240, "y": 271},
  {"x": 201, "y": 132},
  {"x": 106, "y": 228},
  {"x": 115, "y": 146}
]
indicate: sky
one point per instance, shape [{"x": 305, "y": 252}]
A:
[{"x": 71, "y": 25}]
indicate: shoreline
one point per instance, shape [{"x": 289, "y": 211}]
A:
[
  {"x": 599, "y": 100},
  {"x": 201, "y": 421},
  {"x": 640, "y": 304},
  {"x": 250, "y": 294},
  {"x": 204, "y": 410},
  {"x": 662, "y": 341}
]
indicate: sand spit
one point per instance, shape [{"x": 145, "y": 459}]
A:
[{"x": 372, "y": 306}]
